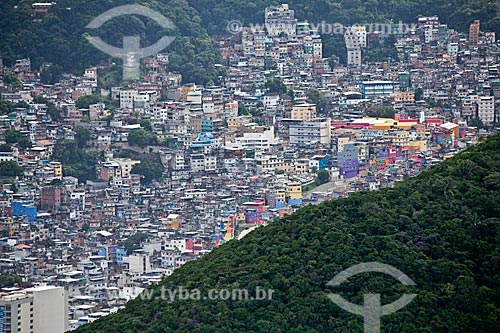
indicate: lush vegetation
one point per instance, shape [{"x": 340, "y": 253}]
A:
[
  {"x": 9, "y": 280},
  {"x": 76, "y": 159},
  {"x": 59, "y": 37},
  {"x": 134, "y": 242},
  {"x": 150, "y": 168},
  {"x": 10, "y": 169},
  {"x": 441, "y": 228}
]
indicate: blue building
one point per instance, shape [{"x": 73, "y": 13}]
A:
[
  {"x": 348, "y": 161},
  {"x": 376, "y": 88},
  {"x": 24, "y": 208}
]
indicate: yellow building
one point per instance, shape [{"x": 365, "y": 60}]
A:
[
  {"x": 57, "y": 167},
  {"x": 173, "y": 221},
  {"x": 403, "y": 97},
  {"x": 293, "y": 190},
  {"x": 305, "y": 112}
]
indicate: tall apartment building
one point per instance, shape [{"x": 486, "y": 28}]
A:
[
  {"x": 34, "y": 310},
  {"x": 317, "y": 130},
  {"x": 486, "y": 110},
  {"x": 474, "y": 33},
  {"x": 280, "y": 20},
  {"x": 355, "y": 40}
]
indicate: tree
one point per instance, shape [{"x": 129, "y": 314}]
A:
[
  {"x": 323, "y": 177},
  {"x": 242, "y": 109},
  {"x": 476, "y": 122},
  {"x": 24, "y": 143},
  {"x": 12, "y": 136},
  {"x": 139, "y": 137},
  {"x": 149, "y": 169},
  {"x": 276, "y": 86},
  {"x": 51, "y": 74},
  {"x": 85, "y": 101},
  {"x": 379, "y": 111},
  {"x": 53, "y": 112},
  {"x": 134, "y": 242},
  {"x": 9, "y": 280},
  {"x": 5, "y": 148},
  {"x": 145, "y": 124},
  {"x": 10, "y": 169},
  {"x": 6, "y": 107},
  {"x": 419, "y": 94},
  {"x": 82, "y": 136},
  {"x": 11, "y": 80}
]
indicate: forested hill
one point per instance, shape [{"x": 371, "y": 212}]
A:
[
  {"x": 58, "y": 37},
  {"x": 441, "y": 228}
]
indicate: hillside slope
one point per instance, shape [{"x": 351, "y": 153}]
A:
[{"x": 441, "y": 228}]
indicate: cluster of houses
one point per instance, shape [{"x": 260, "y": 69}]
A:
[{"x": 234, "y": 156}]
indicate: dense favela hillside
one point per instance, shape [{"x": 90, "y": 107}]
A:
[
  {"x": 441, "y": 228},
  {"x": 58, "y": 36}
]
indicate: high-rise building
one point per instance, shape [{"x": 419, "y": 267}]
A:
[
  {"x": 34, "y": 310},
  {"x": 355, "y": 40},
  {"x": 486, "y": 109},
  {"x": 317, "y": 130},
  {"x": 474, "y": 33}
]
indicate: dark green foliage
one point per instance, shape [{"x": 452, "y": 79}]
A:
[
  {"x": 141, "y": 138},
  {"x": 323, "y": 177},
  {"x": 59, "y": 37},
  {"x": 77, "y": 162},
  {"x": 380, "y": 111},
  {"x": 10, "y": 169},
  {"x": 51, "y": 74},
  {"x": 150, "y": 168},
  {"x": 441, "y": 228},
  {"x": 276, "y": 86},
  {"x": 9, "y": 280},
  {"x": 476, "y": 122},
  {"x": 82, "y": 136},
  {"x": 6, "y": 107},
  {"x": 145, "y": 124},
  {"x": 134, "y": 242},
  {"x": 5, "y": 148},
  {"x": 12, "y": 136}
]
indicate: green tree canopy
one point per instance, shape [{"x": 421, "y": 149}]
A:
[{"x": 10, "y": 169}]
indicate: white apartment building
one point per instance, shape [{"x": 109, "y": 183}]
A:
[
  {"x": 355, "y": 40},
  {"x": 486, "y": 110},
  {"x": 35, "y": 310},
  {"x": 317, "y": 130},
  {"x": 127, "y": 98}
]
